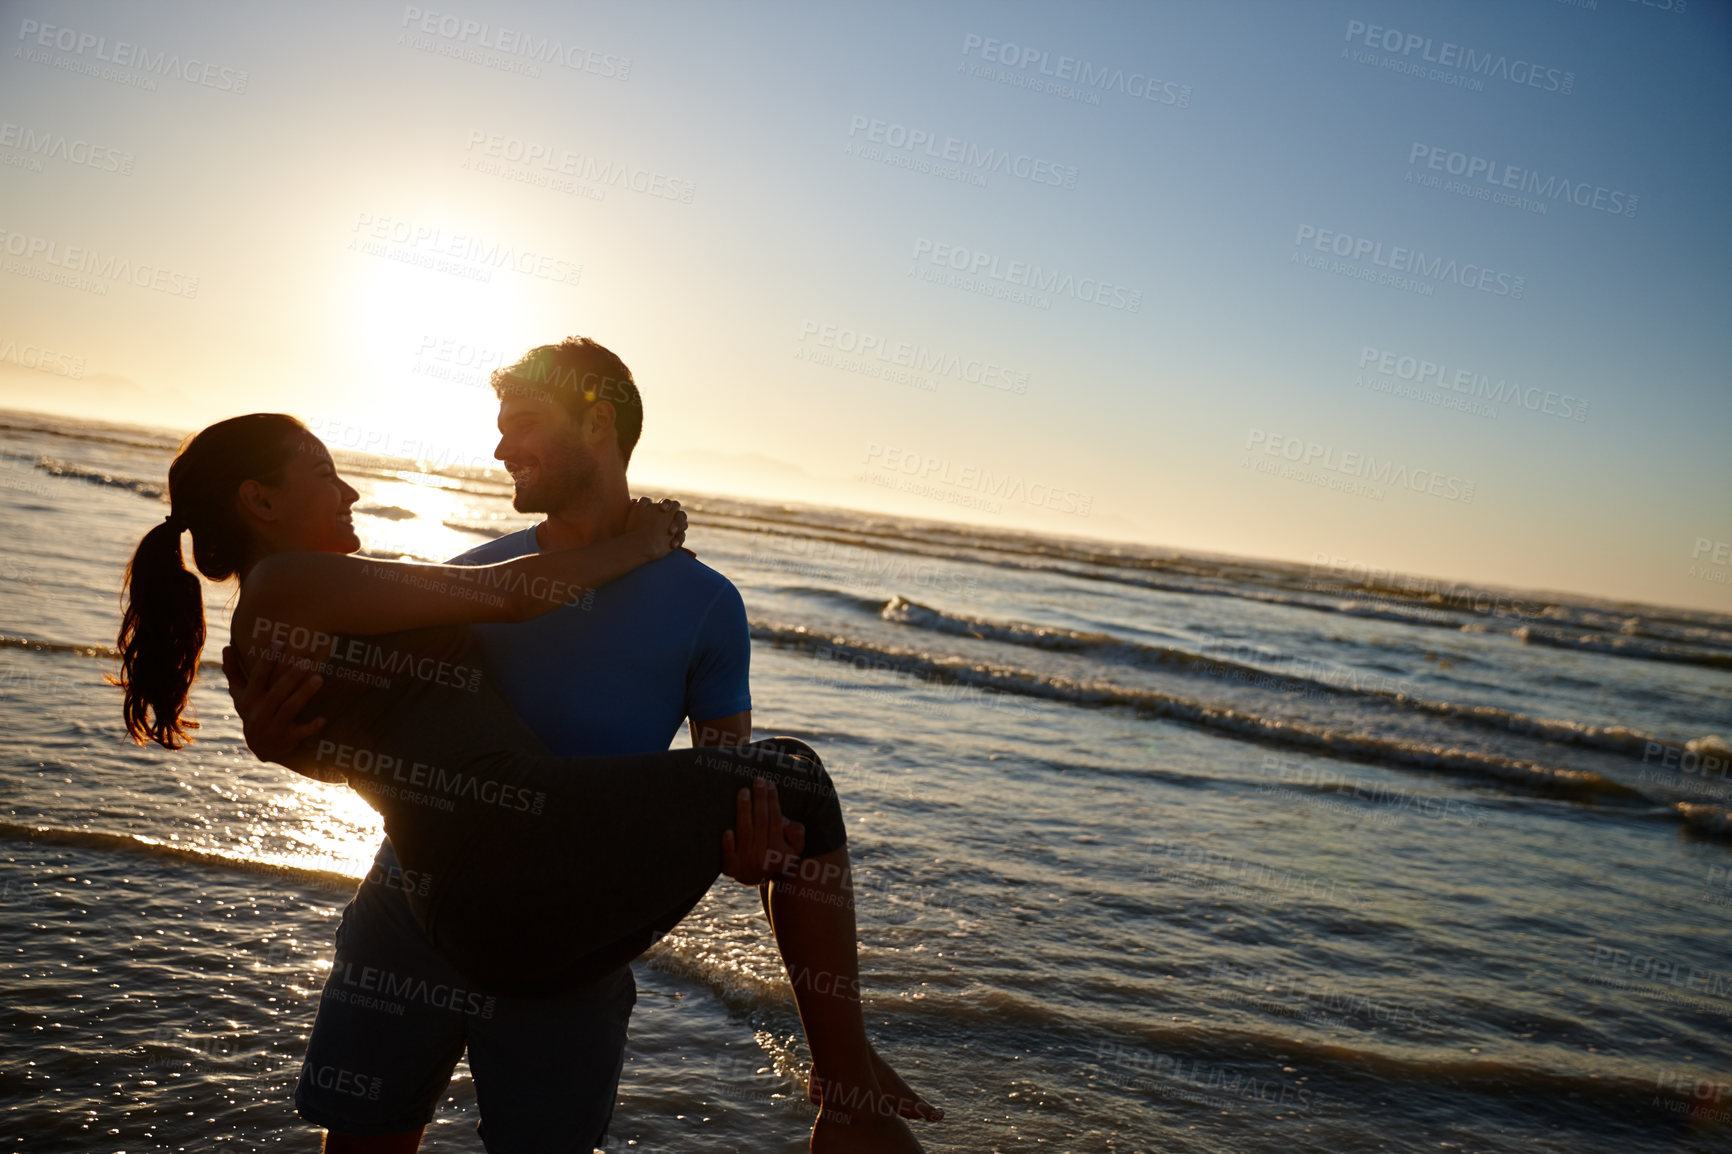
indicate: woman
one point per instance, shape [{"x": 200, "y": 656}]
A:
[{"x": 545, "y": 870}]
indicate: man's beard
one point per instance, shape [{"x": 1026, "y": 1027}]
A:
[{"x": 557, "y": 483}]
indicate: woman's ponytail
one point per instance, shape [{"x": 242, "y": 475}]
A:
[
  {"x": 162, "y": 627},
  {"x": 161, "y": 634}
]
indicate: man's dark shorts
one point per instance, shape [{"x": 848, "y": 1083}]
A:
[{"x": 395, "y": 1018}]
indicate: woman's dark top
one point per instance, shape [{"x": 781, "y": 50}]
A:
[{"x": 546, "y": 870}]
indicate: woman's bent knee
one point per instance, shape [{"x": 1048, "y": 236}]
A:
[
  {"x": 798, "y": 767},
  {"x": 790, "y": 747},
  {"x": 806, "y": 792}
]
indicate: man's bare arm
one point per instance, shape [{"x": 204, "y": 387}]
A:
[{"x": 734, "y": 729}]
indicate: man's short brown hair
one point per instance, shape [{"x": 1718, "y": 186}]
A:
[{"x": 575, "y": 374}]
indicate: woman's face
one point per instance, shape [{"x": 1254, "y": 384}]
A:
[{"x": 312, "y": 503}]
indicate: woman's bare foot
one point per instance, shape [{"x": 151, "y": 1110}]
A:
[
  {"x": 868, "y": 1126},
  {"x": 890, "y": 1083}
]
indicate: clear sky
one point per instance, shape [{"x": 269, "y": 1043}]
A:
[{"x": 1439, "y": 287}]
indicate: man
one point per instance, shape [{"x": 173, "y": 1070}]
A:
[{"x": 611, "y": 673}]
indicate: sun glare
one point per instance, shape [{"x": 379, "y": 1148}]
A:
[{"x": 423, "y": 348}]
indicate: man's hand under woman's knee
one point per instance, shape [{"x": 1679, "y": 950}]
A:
[{"x": 762, "y": 844}]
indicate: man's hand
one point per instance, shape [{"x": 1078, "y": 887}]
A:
[
  {"x": 763, "y": 844},
  {"x": 269, "y": 703}
]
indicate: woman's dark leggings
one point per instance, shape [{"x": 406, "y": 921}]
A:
[{"x": 578, "y": 864}]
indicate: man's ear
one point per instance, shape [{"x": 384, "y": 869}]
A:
[
  {"x": 598, "y": 422},
  {"x": 255, "y": 501}
]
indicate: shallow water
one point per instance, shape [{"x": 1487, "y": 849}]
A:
[{"x": 1155, "y": 851}]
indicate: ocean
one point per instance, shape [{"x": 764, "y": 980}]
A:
[{"x": 1155, "y": 850}]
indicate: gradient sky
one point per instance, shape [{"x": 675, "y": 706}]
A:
[{"x": 1278, "y": 122}]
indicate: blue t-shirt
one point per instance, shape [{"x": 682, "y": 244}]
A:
[{"x": 667, "y": 641}]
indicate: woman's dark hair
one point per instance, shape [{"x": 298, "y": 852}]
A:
[{"x": 162, "y": 628}]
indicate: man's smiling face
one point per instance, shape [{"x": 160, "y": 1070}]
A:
[{"x": 543, "y": 449}]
